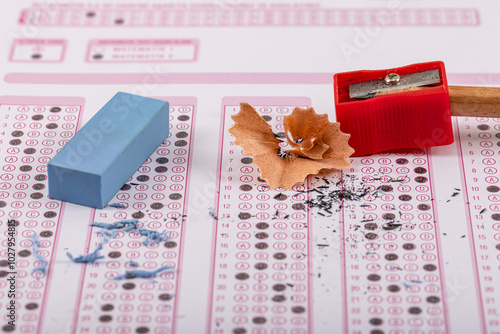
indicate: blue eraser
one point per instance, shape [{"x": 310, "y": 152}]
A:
[{"x": 92, "y": 167}]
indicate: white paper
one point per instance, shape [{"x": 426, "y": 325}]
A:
[{"x": 418, "y": 254}]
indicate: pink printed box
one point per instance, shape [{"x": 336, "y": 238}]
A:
[
  {"x": 266, "y": 16},
  {"x": 142, "y": 51},
  {"x": 237, "y": 255},
  {"x": 38, "y": 50},
  {"x": 33, "y": 129},
  {"x": 159, "y": 200}
]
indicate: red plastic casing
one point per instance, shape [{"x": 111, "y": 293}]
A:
[{"x": 414, "y": 119}]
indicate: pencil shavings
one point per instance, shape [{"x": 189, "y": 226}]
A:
[
  {"x": 315, "y": 142},
  {"x": 304, "y": 132}
]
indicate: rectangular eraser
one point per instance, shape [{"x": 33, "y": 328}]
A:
[{"x": 92, "y": 167}]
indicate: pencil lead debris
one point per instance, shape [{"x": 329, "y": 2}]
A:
[{"x": 212, "y": 214}]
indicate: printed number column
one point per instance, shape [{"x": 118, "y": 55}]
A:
[
  {"x": 156, "y": 195},
  {"x": 393, "y": 272},
  {"x": 261, "y": 273},
  {"x": 32, "y": 130},
  {"x": 480, "y": 149}
]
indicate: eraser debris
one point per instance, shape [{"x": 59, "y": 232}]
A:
[
  {"x": 117, "y": 205},
  {"x": 129, "y": 274},
  {"x": 88, "y": 258},
  {"x": 39, "y": 257},
  {"x": 92, "y": 167},
  {"x": 127, "y": 225}
]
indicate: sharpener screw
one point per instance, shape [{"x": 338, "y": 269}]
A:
[{"x": 392, "y": 79}]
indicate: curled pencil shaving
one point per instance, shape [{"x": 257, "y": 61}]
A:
[
  {"x": 304, "y": 132},
  {"x": 316, "y": 144},
  {"x": 129, "y": 274}
]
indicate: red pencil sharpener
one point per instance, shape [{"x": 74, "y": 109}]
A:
[{"x": 410, "y": 117}]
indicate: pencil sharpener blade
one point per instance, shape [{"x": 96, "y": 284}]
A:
[
  {"x": 404, "y": 118},
  {"x": 393, "y": 83}
]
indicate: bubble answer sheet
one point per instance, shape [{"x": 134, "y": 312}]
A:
[{"x": 195, "y": 242}]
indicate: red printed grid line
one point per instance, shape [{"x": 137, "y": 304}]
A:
[
  {"x": 388, "y": 309},
  {"x": 169, "y": 217},
  {"x": 32, "y": 113},
  {"x": 238, "y": 16},
  {"x": 477, "y": 139},
  {"x": 228, "y": 315}
]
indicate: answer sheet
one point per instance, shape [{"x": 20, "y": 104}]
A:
[{"x": 402, "y": 242}]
